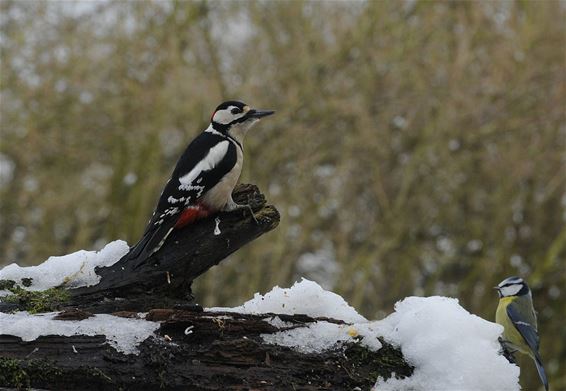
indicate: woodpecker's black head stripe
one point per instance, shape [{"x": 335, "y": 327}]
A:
[{"x": 225, "y": 105}]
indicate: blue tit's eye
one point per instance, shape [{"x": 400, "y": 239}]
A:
[{"x": 236, "y": 110}]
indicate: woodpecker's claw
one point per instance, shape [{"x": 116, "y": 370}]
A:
[
  {"x": 233, "y": 207},
  {"x": 249, "y": 208}
]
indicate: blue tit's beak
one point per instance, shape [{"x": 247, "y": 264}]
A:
[{"x": 253, "y": 113}]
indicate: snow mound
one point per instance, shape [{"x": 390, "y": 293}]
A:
[
  {"x": 450, "y": 348},
  {"x": 72, "y": 270},
  {"x": 123, "y": 334},
  {"x": 304, "y": 297},
  {"x": 308, "y": 298}
]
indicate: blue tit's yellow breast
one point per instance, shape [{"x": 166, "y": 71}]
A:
[{"x": 510, "y": 333}]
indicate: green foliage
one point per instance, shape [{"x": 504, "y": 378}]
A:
[
  {"x": 416, "y": 149},
  {"x": 7, "y": 284},
  {"x": 12, "y": 375},
  {"x": 36, "y": 301},
  {"x": 388, "y": 360},
  {"x": 21, "y": 375}
]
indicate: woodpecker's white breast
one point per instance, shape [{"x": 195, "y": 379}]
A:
[{"x": 217, "y": 197}]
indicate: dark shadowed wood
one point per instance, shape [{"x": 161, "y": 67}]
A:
[
  {"x": 165, "y": 278},
  {"x": 224, "y": 351}
]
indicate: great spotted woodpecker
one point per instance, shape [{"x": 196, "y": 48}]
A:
[{"x": 204, "y": 177}]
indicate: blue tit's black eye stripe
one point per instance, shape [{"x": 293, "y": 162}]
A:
[
  {"x": 511, "y": 281},
  {"x": 236, "y": 110}
]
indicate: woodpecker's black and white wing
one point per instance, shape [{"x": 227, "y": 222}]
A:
[
  {"x": 525, "y": 327},
  {"x": 207, "y": 159}
]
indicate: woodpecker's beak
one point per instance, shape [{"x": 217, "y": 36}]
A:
[{"x": 253, "y": 113}]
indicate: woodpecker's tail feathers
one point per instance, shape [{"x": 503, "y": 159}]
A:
[
  {"x": 151, "y": 241},
  {"x": 541, "y": 372}
]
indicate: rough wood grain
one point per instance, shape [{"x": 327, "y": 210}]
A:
[{"x": 223, "y": 351}]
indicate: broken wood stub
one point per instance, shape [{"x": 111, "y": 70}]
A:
[{"x": 165, "y": 278}]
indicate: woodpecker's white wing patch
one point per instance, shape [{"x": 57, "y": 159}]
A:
[{"x": 214, "y": 156}]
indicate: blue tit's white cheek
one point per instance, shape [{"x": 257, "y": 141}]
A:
[{"x": 511, "y": 290}]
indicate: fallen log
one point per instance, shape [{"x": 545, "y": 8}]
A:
[
  {"x": 196, "y": 351},
  {"x": 189, "y": 349}
]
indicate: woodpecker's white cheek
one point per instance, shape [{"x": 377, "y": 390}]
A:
[{"x": 225, "y": 116}]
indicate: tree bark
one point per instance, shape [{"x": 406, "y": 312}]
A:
[{"x": 222, "y": 351}]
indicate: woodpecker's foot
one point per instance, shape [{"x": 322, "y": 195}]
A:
[{"x": 233, "y": 207}]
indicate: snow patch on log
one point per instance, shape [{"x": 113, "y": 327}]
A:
[
  {"x": 450, "y": 348},
  {"x": 308, "y": 298},
  {"x": 316, "y": 337},
  {"x": 71, "y": 270},
  {"x": 304, "y": 297},
  {"x": 123, "y": 334}
]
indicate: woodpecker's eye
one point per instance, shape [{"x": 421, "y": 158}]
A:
[{"x": 236, "y": 110}]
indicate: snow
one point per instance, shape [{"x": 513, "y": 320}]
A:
[
  {"x": 308, "y": 298},
  {"x": 123, "y": 334},
  {"x": 72, "y": 270},
  {"x": 450, "y": 348},
  {"x": 316, "y": 337},
  {"x": 304, "y": 297}
]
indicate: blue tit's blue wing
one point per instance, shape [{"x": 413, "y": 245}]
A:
[
  {"x": 525, "y": 328},
  {"x": 530, "y": 335},
  {"x": 541, "y": 372}
]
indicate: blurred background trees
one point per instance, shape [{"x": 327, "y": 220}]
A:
[{"x": 418, "y": 147}]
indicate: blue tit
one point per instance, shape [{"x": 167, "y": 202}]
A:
[{"x": 516, "y": 314}]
